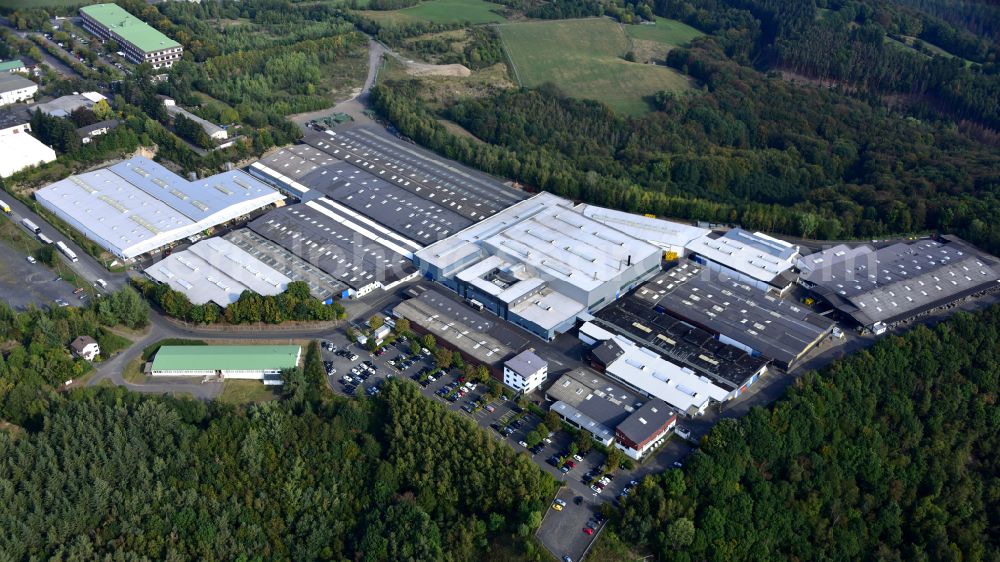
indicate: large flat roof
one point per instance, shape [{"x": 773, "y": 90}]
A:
[
  {"x": 20, "y": 151},
  {"x": 321, "y": 285},
  {"x": 756, "y": 254},
  {"x": 666, "y": 234},
  {"x": 323, "y": 234},
  {"x": 225, "y": 357},
  {"x": 776, "y": 328},
  {"x": 900, "y": 280},
  {"x": 216, "y": 270},
  {"x": 645, "y": 422},
  {"x": 471, "y": 332},
  {"x": 129, "y": 27},
  {"x": 595, "y": 396},
  {"x": 137, "y": 205}
]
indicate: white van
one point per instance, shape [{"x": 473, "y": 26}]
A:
[{"x": 102, "y": 283}]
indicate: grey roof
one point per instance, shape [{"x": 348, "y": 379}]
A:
[
  {"x": 525, "y": 363},
  {"x": 209, "y": 127},
  {"x": 317, "y": 233},
  {"x": 647, "y": 421},
  {"x": 897, "y": 281},
  {"x": 321, "y": 285},
  {"x": 63, "y": 106},
  {"x": 81, "y": 342},
  {"x": 106, "y": 124},
  {"x": 598, "y": 429},
  {"x": 777, "y": 248},
  {"x": 14, "y": 115},
  {"x": 478, "y": 335},
  {"x": 607, "y": 351},
  {"x": 10, "y": 81},
  {"x": 680, "y": 342},
  {"x": 595, "y": 396},
  {"x": 217, "y": 270},
  {"x": 776, "y": 328}
]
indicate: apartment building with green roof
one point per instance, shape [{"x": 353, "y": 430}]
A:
[{"x": 138, "y": 40}]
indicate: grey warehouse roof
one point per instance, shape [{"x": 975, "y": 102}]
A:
[
  {"x": 776, "y": 328},
  {"x": 216, "y": 270},
  {"x": 595, "y": 396},
  {"x": 897, "y": 281},
  {"x": 10, "y": 82},
  {"x": 321, "y": 233},
  {"x": 321, "y": 285}
]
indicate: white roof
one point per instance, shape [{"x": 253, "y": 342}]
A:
[
  {"x": 665, "y": 234},
  {"x": 93, "y": 96},
  {"x": 138, "y": 206},
  {"x": 548, "y": 308},
  {"x": 756, "y": 255},
  {"x": 679, "y": 387},
  {"x": 20, "y": 151},
  {"x": 216, "y": 270}
]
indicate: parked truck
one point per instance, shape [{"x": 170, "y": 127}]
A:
[
  {"x": 34, "y": 228},
  {"x": 66, "y": 251},
  {"x": 45, "y": 239},
  {"x": 4, "y": 207}
]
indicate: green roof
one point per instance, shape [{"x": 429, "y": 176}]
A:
[
  {"x": 129, "y": 27},
  {"x": 9, "y": 65},
  {"x": 225, "y": 357}
]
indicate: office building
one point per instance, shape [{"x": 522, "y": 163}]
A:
[
  {"x": 525, "y": 372},
  {"x": 138, "y": 40}
]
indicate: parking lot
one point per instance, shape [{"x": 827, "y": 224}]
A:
[{"x": 23, "y": 284}]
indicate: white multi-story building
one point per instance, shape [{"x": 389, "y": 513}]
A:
[
  {"x": 15, "y": 88},
  {"x": 525, "y": 371},
  {"x": 139, "y": 41}
]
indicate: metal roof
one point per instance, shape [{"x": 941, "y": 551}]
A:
[
  {"x": 756, "y": 255},
  {"x": 11, "y": 65},
  {"x": 666, "y": 234},
  {"x": 321, "y": 285},
  {"x": 226, "y": 357},
  {"x": 897, "y": 281},
  {"x": 780, "y": 329},
  {"x": 595, "y": 396},
  {"x": 20, "y": 151},
  {"x": 321, "y": 233},
  {"x": 216, "y": 270},
  {"x": 129, "y": 27},
  {"x": 600, "y": 431}
]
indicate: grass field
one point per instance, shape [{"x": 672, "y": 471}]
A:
[
  {"x": 666, "y": 31},
  {"x": 441, "y": 11},
  {"x": 245, "y": 392},
  {"x": 584, "y": 59}
]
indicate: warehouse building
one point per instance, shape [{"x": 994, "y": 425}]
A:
[
  {"x": 877, "y": 288},
  {"x": 20, "y": 150},
  {"x": 752, "y": 258},
  {"x": 215, "y": 270},
  {"x": 64, "y": 106},
  {"x": 213, "y": 131},
  {"x": 736, "y": 313},
  {"x": 728, "y": 366},
  {"x": 540, "y": 264},
  {"x": 671, "y": 237},
  {"x": 15, "y": 88},
  {"x": 321, "y": 285},
  {"x": 347, "y": 246},
  {"x": 479, "y": 337},
  {"x": 138, "y": 40},
  {"x": 137, "y": 206},
  {"x": 611, "y": 413},
  {"x": 252, "y": 362}
]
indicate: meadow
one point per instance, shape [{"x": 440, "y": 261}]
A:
[
  {"x": 584, "y": 58},
  {"x": 441, "y": 11}
]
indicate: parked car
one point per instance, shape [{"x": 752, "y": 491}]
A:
[
  {"x": 556, "y": 506},
  {"x": 31, "y": 259},
  {"x": 577, "y": 458},
  {"x": 490, "y": 408},
  {"x": 588, "y": 530}
]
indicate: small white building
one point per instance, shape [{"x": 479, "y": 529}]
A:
[
  {"x": 15, "y": 88},
  {"x": 85, "y": 347},
  {"x": 525, "y": 371}
]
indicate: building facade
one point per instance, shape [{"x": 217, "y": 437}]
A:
[
  {"x": 16, "y": 88},
  {"x": 253, "y": 362},
  {"x": 525, "y": 372},
  {"x": 139, "y": 41}
]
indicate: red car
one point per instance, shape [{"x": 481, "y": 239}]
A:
[
  {"x": 588, "y": 530},
  {"x": 571, "y": 464}
]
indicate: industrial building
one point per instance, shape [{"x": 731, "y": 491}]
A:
[
  {"x": 15, "y": 88},
  {"x": 525, "y": 372},
  {"x": 139, "y": 41},
  {"x": 752, "y": 258},
  {"x": 253, "y": 362},
  {"x": 671, "y": 237},
  {"x": 138, "y": 206},
  {"x": 215, "y": 270},
  {"x": 728, "y": 366},
  {"x": 349, "y": 247},
  {"x": 321, "y": 285},
  {"x": 20, "y": 150},
  {"x": 479, "y": 337},
  {"x": 736, "y": 313},
  {"x": 877, "y": 288},
  {"x": 213, "y": 131},
  {"x": 15, "y": 65},
  {"x": 611, "y": 413},
  {"x": 64, "y": 106},
  {"x": 540, "y": 264}
]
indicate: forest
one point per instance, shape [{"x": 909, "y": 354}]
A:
[
  {"x": 293, "y": 304},
  {"x": 107, "y": 473},
  {"x": 889, "y": 454}
]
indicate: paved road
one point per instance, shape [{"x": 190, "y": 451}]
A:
[
  {"x": 56, "y": 64},
  {"x": 358, "y": 103}
]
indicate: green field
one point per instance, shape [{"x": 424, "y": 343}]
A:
[
  {"x": 584, "y": 59},
  {"x": 441, "y": 11},
  {"x": 668, "y": 32}
]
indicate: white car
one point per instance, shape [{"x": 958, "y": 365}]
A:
[
  {"x": 577, "y": 458},
  {"x": 523, "y": 444},
  {"x": 31, "y": 259}
]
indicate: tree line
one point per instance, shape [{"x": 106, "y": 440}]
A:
[{"x": 889, "y": 454}]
